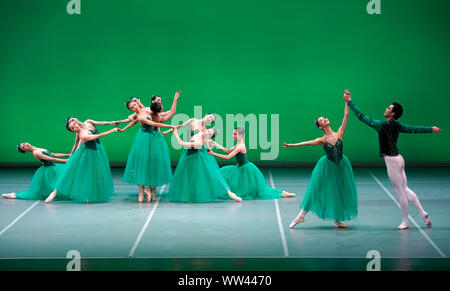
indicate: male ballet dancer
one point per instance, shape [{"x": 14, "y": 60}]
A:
[{"x": 388, "y": 132}]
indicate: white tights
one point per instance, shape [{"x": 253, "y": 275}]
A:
[{"x": 396, "y": 172}]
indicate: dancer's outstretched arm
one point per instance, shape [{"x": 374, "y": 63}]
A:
[
  {"x": 132, "y": 123},
  {"x": 168, "y": 114},
  {"x": 93, "y": 122},
  {"x": 130, "y": 118},
  {"x": 317, "y": 141},
  {"x": 152, "y": 123},
  {"x": 60, "y": 155},
  {"x": 405, "y": 128},
  {"x": 226, "y": 157},
  {"x": 376, "y": 124},
  {"x": 341, "y": 129},
  {"x": 88, "y": 137},
  {"x": 186, "y": 123},
  {"x": 222, "y": 148},
  {"x": 40, "y": 156},
  {"x": 195, "y": 144}
]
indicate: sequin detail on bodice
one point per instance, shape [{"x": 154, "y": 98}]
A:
[{"x": 334, "y": 152}]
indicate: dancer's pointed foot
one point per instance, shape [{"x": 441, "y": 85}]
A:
[
  {"x": 141, "y": 196},
  {"x": 338, "y": 224},
  {"x": 50, "y": 197},
  {"x": 154, "y": 193},
  {"x": 285, "y": 194},
  {"x": 404, "y": 225},
  {"x": 9, "y": 195},
  {"x": 234, "y": 197},
  {"x": 427, "y": 220},
  {"x": 148, "y": 192},
  {"x": 296, "y": 221}
]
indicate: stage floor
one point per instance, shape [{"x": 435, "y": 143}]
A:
[{"x": 254, "y": 235}]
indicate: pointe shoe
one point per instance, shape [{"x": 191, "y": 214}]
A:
[
  {"x": 235, "y": 197},
  {"x": 338, "y": 224},
  {"x": 427, "y": 220},
  {"x": 296, "y": 221},
  {"x": 9, "y": 195},
  {"x": 141, "y": 196},
  {"x": 50, "y": 198},
  {"x": 149, "y": 195},
  {"x": 154, "y": 193},
  {"x": 285, "y": 194},
  {"x": 403, "y": 226}
]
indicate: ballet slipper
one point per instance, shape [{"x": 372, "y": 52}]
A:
[
  {"x": 235, "y": 197},
  {"x": 9, "y": 195},
  {"x": 338, "y": 224},
  {"x": 141, "y": 196},
  {"x": 427, "y": 220},
  {"x": 296, "y": 221},
  {"x": 147, "y": 192},
  {"x": 154, "y": 193},
  {"x": 404, "y": 225},
  {"x": 285, "y": 194},
  {"x": 51, "y": 197}
]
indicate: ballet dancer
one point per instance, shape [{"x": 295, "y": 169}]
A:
[
  {"x": 244, "y": 178},
  {"x": 87, "y": 175},
  {"x": 164, "y": 116},
  {"x": 388, "y": 132},
  {"x": 331, "y": 192},
  {"x": 43, "y": 181},
  {"x": 148, "y": 164},
  {"x": 196, "y": 179}
]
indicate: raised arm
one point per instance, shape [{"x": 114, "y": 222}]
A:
[
  {"x": 168, "y": 114},
  {"x": 341, "y": 129},
  {"x": 186, "y": 123},
  {"x": 88, "y": 137},
  {"x": 317, "y": 141},
  {"x": 93, "y": 122},
  {"x": 376, "y": 124}
]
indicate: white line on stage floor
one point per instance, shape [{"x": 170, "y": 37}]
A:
[
  {"x": 18, "y": 218},
  {"x": 440, "y": 252},
  {"x": 280, "y": 223},
  {"x": 138, "y": 240}
]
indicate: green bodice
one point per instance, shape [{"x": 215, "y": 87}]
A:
[
  {"x": 334, "y": 152},
  {"x": 47, "y": 163},
  {"x": 95, "y": 131},
  {"x": 241, "y": 158},
  {"x": 149, "y": 128}
]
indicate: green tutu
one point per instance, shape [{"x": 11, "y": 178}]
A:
[
  {"x": 331, "y": 192},
  {"x": 247, "y": 181},
  {"x": 149, "y": 159},
  {"x": 87, "y": 176},
  {"x": 43, "y": 182},
  {"x": 196, "y": 179}
]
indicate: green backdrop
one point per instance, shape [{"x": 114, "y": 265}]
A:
[{"x": 293, "y": 58}]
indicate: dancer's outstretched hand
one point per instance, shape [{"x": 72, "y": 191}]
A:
[
  {"x": 436, "y": 129},
  {"x": 347, "y": 95},
  {"x": 115, "y": 123},
  {"x": 116, "y": 129},
  {"x": 177, "y": 94},
  {"x": 285, "y": 145}
]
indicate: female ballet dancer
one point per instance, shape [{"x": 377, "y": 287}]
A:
[
  {"x": 91, "y": 126},
  {"x": 331, "y": 192},
  {"x": 87, "y": 175},
  {"x": 163, "y": 115},
  {"x": 148, "y": 162},
  {"x": 245, "y": 179},
  {"x": 43, "y": 181},
  {"x": 196, "y": 179},
  {"x": 388, "y": 133}
]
